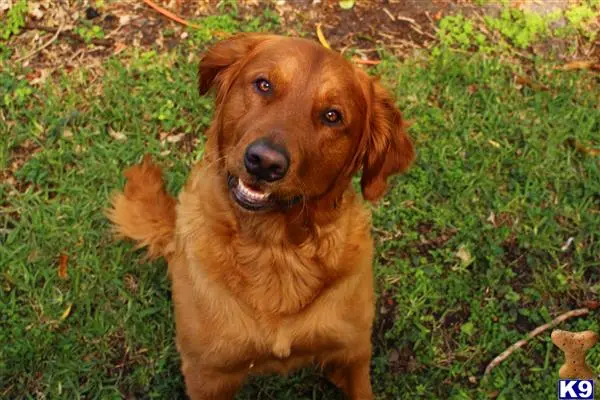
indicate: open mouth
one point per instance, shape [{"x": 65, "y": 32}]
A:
[
  {"x": 255, "y": 199},
  {"x": 250, "y": 198}
]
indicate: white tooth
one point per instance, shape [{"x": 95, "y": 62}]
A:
[{"x": 246, "y": 191}]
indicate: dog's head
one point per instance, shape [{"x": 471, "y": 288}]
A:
[{"x": 294, "y": 121}]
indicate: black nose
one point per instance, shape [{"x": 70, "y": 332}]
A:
[{"x": 266, "y": 161}]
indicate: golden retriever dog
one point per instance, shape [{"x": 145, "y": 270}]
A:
[{"x": 269, "y": 246}]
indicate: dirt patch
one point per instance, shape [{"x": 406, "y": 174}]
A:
[
  {"x": 515, "y": 256},
  {"x": 122, "y": 361},
  {"x": 401, "y": 26},
  {"x": 386, "y": 317},
  {"x": 403, "y": 360},
  {"x": 18, "y": 157},
  {"x": 430, "y": 240},
  {"x": 454, "y": 319},
  {"x": 524, "y": 324},
  {"x": 400, "y": 360}
]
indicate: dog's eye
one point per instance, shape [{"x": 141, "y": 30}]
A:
[
  {"x": 332, "y": 117},
  {"x": 263, "y": 85}
]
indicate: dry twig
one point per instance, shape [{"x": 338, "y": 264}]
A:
[
  {"x": 415, "y": 27},
  {"x": 506, "y": 353},
  {"x": 583, "y": 149},
  {"x": 99, "y": 42},
  {"x": 357, "y": 60},
  {"x": 42, "y": 47},
  {"x": 431, "y": 21},
  {"x": 526, "y": 81},
  {"x": 389, "y": 14},
  {"x": 170, "y": 15},
  {"x": 405, "y": 19}
]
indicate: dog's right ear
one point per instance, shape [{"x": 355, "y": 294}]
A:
[{"x": 223, "y": 55}]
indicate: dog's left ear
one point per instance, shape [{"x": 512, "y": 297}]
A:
[
  {"x": 389, "y": 150},
  {"x": 223, "y": 55}
]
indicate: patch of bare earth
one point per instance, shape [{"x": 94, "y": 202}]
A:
[{"x": 52, "y": 37}]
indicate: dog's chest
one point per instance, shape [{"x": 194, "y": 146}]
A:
[
  {"x": 271, "y": 279},
  {"x": 280, "y": 347},
  {"x": 267, "y": 299}
]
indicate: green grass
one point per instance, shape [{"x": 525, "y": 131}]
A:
[
  {"x": 457, "y": 288},
  {"x": 515, "y": 29},
  {"x": 13, "y": 20}
]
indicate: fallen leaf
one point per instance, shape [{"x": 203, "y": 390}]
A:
[
  {"x": 493, "y": 143},
  {"x": 346, "y": 4},
  {"x": 5, "y": 5},
  {"x": 67, "y": 312},
  {"x": 492, "y": 218},
  {"x": 131, "y": 283},
  {"x": 33, "y": 256},
  {"x": 43, "y": 76},
  {"x": 124, "y": 19},
  {"x": 175, "y": 138},
  {"x": 34, "y": 9},
  {"x": 567, "y": 244},
  {"x": 516, "y": 3},
  {"x": 62, "y": 266},
  {"x": 393, "y": 356},
  {"x": 592, "y": 304},
  {"x": 583, "y": 149},
  {"x": 408, "y": 203},
  {"x": 116, "y": 135},
  {"x": 322, "y": 38},
  {"x": 464, "y": 255},
  {"x": 357, "y": 60},
  {"x": 119, "y": 47},
  {"x": 33, "y": 75},
  {"x": 526, "y": 81},
  {"x": 10, "y": 180},
  {"x": 573, "y": 65}
]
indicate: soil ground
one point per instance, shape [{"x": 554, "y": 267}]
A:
[{"x": 399, "y": 26}]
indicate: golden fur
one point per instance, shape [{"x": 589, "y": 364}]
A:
[{"x": 262, "y": 292}]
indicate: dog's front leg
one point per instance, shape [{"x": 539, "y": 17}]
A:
[
  {"x": 350, "y": 372},
  {"x": 209, "y": 384},
  {"x": 282, "y": 347}
]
